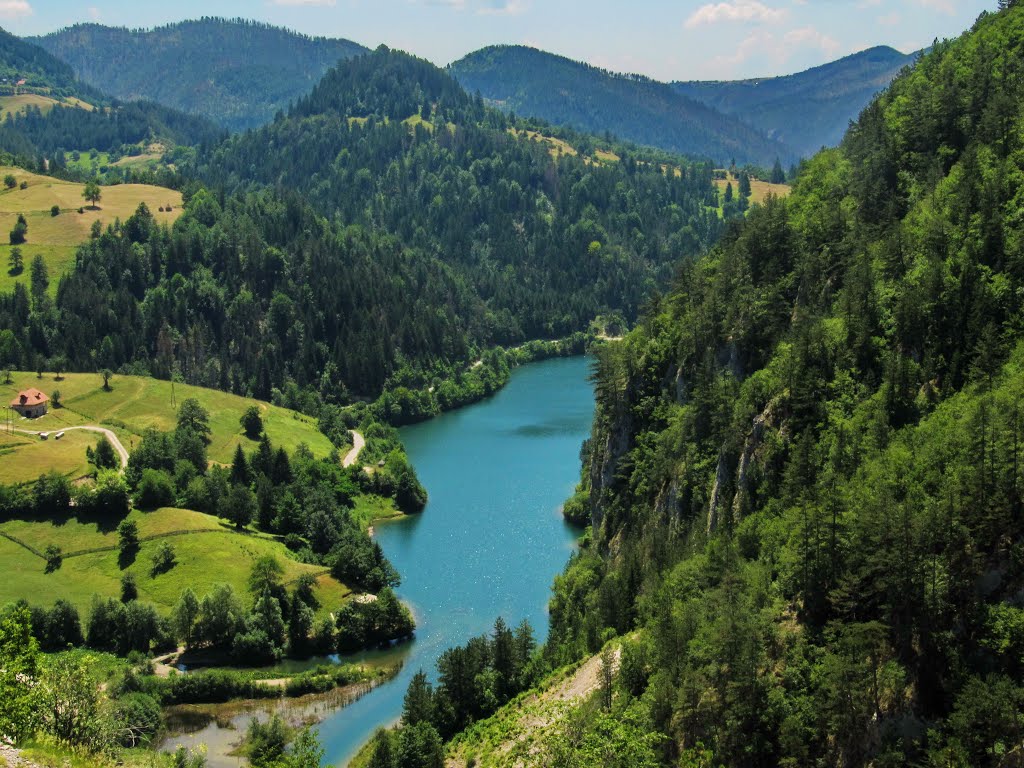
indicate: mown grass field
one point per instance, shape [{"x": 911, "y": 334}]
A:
[
  {"x": 56, "y": 238},
  {"x": 557, "y": 147},
  {"x": 150, "y": 157},
  {"x": 136, "y": 403},
  {"x": 24, "y": 457},
  {"x": 759, "y": 190},
  {"x": 210, "y": 552},
  {"x": 13, "y": 104}
]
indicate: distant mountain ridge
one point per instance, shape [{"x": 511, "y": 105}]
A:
[
  {"x": 750, "y": 120},
  {"x": 809, "y": 109},
  {"x": 535, "y": 83},
  {"x": 238, "y": 73}
]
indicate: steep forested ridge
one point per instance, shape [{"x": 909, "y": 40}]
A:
[
  {"x": 807, "y": 110},
  {"x": 805, "y": 475},
  {"x": 538, "y": 84},
  {"x": 238, "y": 73},
  {"x": 389, "y": 227}
]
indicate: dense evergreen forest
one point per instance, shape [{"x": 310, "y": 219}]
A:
[
  {"x": 635, "y": 108},
  {"x": 236, "y": 72},
  {"x": 805, "y": 477},
  {"x": 70, "y": 128},
  {"x": 362, "y": 246}
]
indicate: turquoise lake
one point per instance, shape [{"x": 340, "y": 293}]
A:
[{"x": 491, "y": 539}]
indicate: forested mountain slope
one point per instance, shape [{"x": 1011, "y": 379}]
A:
[
  {"x": 807, "y": 110},
  {"x": 41, "y": 71},
  {"x": 534, "y": 83},
  {"x": 432, "y": 231},
  {"x": 238, "y": 73},
  {"x": 52, "y": 113},
  {"x": 805, "y": 476}
]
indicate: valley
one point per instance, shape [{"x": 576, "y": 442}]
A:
[{"x": 370, "y": 412}]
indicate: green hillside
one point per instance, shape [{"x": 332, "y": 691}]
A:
[
  {"x": 372, "y": 251},
  {"x": 57, "y": 238},
  {"x": 238, "y": 73},
  {"x": 804, "y": 482},
  {"x": 207, "y": 551},
  {"x": 537, "y": 84},
  {"x": 134, "y": 404}
]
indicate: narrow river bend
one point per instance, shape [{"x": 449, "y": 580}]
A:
[{"x": 492, "y": 538}]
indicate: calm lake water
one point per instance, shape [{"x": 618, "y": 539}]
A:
[
  {"x": 492, "y": 537},
  {"x": 488, "y": 544}
]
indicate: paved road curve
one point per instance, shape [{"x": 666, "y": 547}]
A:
[{"x": 358, "y": 441}]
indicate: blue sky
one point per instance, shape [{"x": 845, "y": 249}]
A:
[{"x": 722, "y": 39}]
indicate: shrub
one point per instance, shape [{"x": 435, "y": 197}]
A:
[
  {"x": 9, "y": 181},
  {"x": 211, "y": 687},
  {"x": 129, "y": 589},
  {"x": 252, "y": 422},
  {"x": 163, "y": 559},
  {"x": 55, "y": 210},
  {"x": 128, "y": 535},
  {"x": 156, "y": 489},
  {"x": 254, "y": 647},
  {"x": 53, "y": 556},
  {"x": 138, "y": 719},
  {"x": 20, "y": 231}
]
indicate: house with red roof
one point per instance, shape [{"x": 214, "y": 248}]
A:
[{"x": 31, "y": 403}]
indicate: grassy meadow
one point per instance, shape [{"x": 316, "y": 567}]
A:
[
  {"x": 56, "y": 238},
  {"x": 151, "y": 157},
  {"x": 10, "y": 105},
  {"x": 137, "y": 403},
  {"x": 24, "y": 457},
  {"x": 557, "y": 147},
  {"x": 759, "y": 190},
  {"x": 207, "y": 550}
]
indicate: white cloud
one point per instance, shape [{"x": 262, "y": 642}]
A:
[
  {"x": 809, "y": 37},
  {"x": 890, "y": 19},
  {"x": 14, "y": 9},
  {"x": 94, "y": 13},
  {"x": 772, "y": 50},
  {"x": 734, "y": 11}
]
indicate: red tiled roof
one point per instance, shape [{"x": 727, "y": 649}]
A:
[{"x": 29, "y": 398}]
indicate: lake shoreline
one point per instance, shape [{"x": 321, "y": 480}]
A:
[{"x": 533, "y": 426}]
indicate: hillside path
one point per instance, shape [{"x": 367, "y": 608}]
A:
[
  {"x": 358, "y": 442},
  {"x": 11, "y": 757},
  {"x": 114, "y": 440},
  {"x": 577, "y": 686}
]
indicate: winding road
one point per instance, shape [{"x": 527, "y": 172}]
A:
[
  {"x": 358, "y": 442},
  {"x": 114, "y": 440}
]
